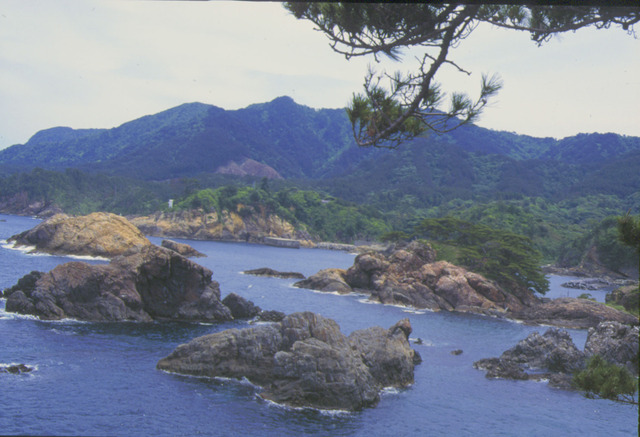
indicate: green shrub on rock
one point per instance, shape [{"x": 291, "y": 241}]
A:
[{"x": 608, "y": 381}]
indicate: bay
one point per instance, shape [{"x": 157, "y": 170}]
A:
[{"x": 100, "y": 378}]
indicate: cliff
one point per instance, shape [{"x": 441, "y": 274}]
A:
[{"x": 226, "y": 226}]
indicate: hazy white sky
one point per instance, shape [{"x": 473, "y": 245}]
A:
[{"x": 98, "y": 64}]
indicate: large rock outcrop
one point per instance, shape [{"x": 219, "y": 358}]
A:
[
  {"x": 304, "y": 361},
  {"x": 228, "y": 226},
  {"x": 146, "y": 283},
  {"x": 616, "y": 343},
  {"x": 553, "y": 356},
  {"x": 410, "y": 276},
  {"x": 573, "y": 313},
  {"x": 99, "y": 234}
]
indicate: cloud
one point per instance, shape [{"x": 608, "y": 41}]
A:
[{"x": 101, "y": 63}]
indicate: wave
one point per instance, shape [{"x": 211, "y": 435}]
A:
[
  {"x": 33, "y": 250},
  {"x": 324, "y": 412}
]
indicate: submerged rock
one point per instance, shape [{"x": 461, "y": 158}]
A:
[
  {"x": 147, "y": 283},
  {"x": 304, "y": 361},
  {"x": 99, "y": 234},
  {"x": 265, "y": 271},
  {"x": 16, "y": 369}
]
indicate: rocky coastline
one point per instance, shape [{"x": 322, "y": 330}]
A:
[
  {"x": 554, "y": 357},
  {"x": 410, "y": 276},
  {"x": 198, "y": 224},
  {"x": 304, "y": 361}
]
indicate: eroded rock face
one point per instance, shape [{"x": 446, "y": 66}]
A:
[
  {"x": 182, "y": 248},
  {"x": 201, "y": 225},
  {"x": 331, "y": 280},
  {"x": 616, "y": 343},
  {"x": 240, "y": 307},
  {"x": 304, "y": 361},
  {"x": 147, "y": 283},
  {"x": 554, "y": 356},
  {"x": 410, "y": 276},
  {"x": 99, "y": 234}
]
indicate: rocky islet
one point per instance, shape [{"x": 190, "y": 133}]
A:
[
  {"x": 304, "y": 361},
  {"x": 410, "y": 276}
]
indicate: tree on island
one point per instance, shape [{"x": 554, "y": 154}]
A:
[{"x": 413, "y": 103}]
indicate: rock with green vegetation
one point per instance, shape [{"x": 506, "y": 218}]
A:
[
  {"x": 409, "y": 275},
  {"x": 605, "y": 367},
  {"x": 627, "y": 296},
  {"x": 606, "y": 380},
  {"x": 616, "y": 343}
]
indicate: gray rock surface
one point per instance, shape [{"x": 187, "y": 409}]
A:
[
  {"x": 304, "y": 361},
  {"x": 240, "y": 307},
  {"x": 616, "y": 343},
  {"x": 554, "y": 356},
  {"x": 147, "y": 283}
]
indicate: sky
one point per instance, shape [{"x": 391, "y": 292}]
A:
[{"x": 101, "y": 63}]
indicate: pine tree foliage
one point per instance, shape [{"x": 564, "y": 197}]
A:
[{"x": 396, "y": 107}]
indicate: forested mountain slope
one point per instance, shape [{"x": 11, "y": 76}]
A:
[{"x": 301, "y": 142}]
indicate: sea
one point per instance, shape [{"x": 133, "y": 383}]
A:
[{"x": 100, "y": 379}]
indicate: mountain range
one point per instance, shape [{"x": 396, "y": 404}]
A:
[{"x": 282, "y": 139}]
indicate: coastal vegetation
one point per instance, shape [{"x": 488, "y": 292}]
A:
[{"x": 606, "y": 380}]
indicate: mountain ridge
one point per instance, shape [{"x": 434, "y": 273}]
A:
[{"x": 296, "y": 141}]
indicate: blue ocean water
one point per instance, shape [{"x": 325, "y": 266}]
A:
[{"x": 100, "y": 378}]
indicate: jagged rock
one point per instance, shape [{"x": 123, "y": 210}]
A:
[
  {"x": 303, "y": 361},
  {"x": 573, "y": 313},
  {"x": 270, "y": 316},
  {"x": 554, "y": 356},
  {"x": 410, "y": 276},
  {"x": 98, "y": 234},
  {"x": 326, "y": 280},
  {"x": 616, "y": 343},
  {"x": 147, "y": 283},
  {"x": 265, "y": 271},
  {"x": 553, "y": 351},
  {"x": 183, "y": 249},
  {"x": 240, "y": 307}
]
